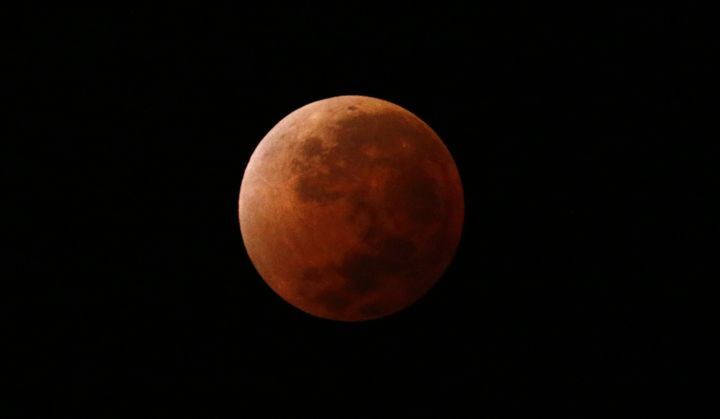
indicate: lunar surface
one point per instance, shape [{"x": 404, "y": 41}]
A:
[{"x": 351, "y": 208}]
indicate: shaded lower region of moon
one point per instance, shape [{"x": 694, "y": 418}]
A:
[{"x": 351, "y": 208}]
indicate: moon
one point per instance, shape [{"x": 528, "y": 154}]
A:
[{"x": 351, "y": 208}]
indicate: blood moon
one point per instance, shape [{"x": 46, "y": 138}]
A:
[{"x": 351, "y": 208}]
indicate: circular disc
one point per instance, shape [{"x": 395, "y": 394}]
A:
[{"x": 351, "y": 208}]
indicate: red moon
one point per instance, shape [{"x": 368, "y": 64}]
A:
[{"x": 351, "y": 208}]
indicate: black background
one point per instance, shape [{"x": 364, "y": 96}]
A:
[{"x": 132, "y": 292}]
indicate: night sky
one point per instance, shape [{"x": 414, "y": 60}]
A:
[{"x": 131, "y": 292}]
